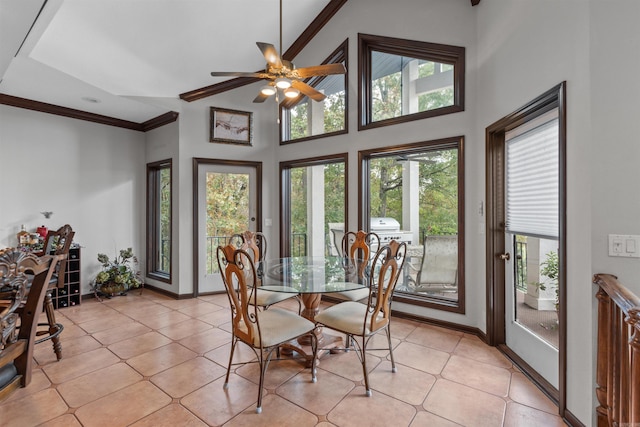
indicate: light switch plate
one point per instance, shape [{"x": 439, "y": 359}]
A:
[{"x": 624, "y": 245}]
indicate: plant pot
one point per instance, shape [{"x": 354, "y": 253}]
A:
[{"x": 111, "y": 288}]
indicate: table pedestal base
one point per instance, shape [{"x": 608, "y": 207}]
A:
[{"x": 326, "y": 343}]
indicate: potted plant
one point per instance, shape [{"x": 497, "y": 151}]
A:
[
  {"x": 550, "y": 270},
  {"x": 119, "y": 275}
]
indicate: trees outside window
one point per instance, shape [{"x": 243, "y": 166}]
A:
[
  {"x": 159, "y": 220},
  {"x": 314, "y": 199},
  {"x": 304, "y": 119},
  {"x": 421, "y": 186},
  {"x": 402, "y": 80}
]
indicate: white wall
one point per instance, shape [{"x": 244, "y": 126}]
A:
[
  {"x": 91, "y": 176},
  {"x": 615, "y": 131}
]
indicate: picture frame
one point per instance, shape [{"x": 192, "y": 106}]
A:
[{"x": 231, "y": 126}]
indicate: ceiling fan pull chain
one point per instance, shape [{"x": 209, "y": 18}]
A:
[{"x": 281, "y": 52}]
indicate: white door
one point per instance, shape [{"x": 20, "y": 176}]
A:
[
  {"x": 227, "y": 204},
  {"x": 531, "y": 240}
]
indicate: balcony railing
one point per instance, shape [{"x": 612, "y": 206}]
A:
[{"x": 618, "y": 356}]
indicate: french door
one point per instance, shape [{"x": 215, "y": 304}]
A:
[
  {"x": 226, "y": 203},
  {"x": 526, "y": 240}
]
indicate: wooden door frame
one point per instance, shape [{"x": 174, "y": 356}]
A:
[
  {"x": 197, "y": 161},
  {"x": 495, "y": 241}
]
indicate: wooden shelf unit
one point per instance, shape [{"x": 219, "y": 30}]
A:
[{"x": 70, "y": 295}]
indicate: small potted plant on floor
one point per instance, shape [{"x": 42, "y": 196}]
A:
[{"x": 117, "y": 276}]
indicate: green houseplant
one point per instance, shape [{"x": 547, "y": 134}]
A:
[
  {"x": 119, "y": 275},
  {"x": 550, "y": 270}
]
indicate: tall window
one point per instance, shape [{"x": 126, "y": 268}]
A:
[
  {"x": 414, "y": 193},
  {"x": 159, "y": 220},
  {"x": 314, "y": 202},
  {"x": 304, "y": 119},
  {"x": 403, "y": 80}
]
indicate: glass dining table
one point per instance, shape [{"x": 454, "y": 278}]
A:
[{"x": 311, "y": 277}]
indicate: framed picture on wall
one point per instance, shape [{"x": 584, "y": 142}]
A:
[{"x": 230, "y": 126}]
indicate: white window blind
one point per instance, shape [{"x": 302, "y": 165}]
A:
[{"x": 533, "y": 178}]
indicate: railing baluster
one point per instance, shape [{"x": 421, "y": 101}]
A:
[
  {"x": 602, "y": 370},
  {"x": 618, "y": 354}
]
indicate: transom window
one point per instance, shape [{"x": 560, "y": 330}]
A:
[
  {"x": 403, "y": 80},
  {"x": 303, "y": 119}
]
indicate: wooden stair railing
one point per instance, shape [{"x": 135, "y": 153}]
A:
[{"x": 618, "y": 356}]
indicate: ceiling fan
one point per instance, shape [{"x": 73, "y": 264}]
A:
[{"x": 282, "y": 74}]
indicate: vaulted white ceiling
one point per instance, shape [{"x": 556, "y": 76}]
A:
[{"x": 131, "y": 55}]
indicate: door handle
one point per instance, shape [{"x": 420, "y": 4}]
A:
[{"x": 505, "y": 257}]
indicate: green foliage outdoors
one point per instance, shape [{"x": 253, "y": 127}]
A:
[
  {"x": 165, "y": 220},
  {"x": 438, "y": 190},
  {"x": 387, "y": 93},
  {"x": 550, "y": 269},
  {"x": 334, "y": 116},
  {"x": 227, "y": 203}
]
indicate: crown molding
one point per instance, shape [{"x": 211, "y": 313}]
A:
[{"x": 57, "y": 110}]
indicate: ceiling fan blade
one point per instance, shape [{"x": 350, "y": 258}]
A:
[
  {"x": 261, "y": 97},
  {"x": 320, "y": 70},
  {"x": 238, "y": 74},
  {"x": 305, "y": 89},
  {"x": 270, "y": 54}
]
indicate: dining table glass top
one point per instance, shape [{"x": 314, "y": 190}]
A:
[{"x": 310, "y": 275}]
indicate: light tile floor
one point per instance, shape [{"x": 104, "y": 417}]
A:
[{"x": 148, "y": 360}]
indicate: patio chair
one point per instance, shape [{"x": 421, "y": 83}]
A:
[{"x": 438, "y": 271}]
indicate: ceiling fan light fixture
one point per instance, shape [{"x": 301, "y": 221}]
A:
[
  {"x": 268, "y": 90},
  {"x": 283, "y": 82},
  {"x": 291, "y": 92}
]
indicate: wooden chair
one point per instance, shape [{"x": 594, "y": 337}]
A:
[
  {"x": 19, "y": 302},
  {"x": 255, "y": 243},
  {"x": 56, "y": 243},
  {"x": 365, "y": 320},
  {"x": 438, "y": 271},
  {"x": 264, "y": 331},
  {"x": 356, "y": 249}
]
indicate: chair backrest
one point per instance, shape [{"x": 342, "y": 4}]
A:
[
  {"x": 239, "y": 276},
  {"x": 58, "y": 243},
  {"x": 386, "y": 266},
  {"x": 16, "y": 351},
  {"x": 256, "y": 244},
  {"x": 358, "y": 246},
  {"x": 439, "y": 261}
]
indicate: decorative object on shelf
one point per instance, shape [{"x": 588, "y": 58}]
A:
[
  {"x": 118, "y": 276},
  {"x": 23, "y": 237},
  {"x": 230, "y": 126},
  {"x": 42, "y": 231}
]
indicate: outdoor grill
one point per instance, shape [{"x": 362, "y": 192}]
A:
[
  {"x": 386, "y": 228},
  {"x": 389, "y": 229}
]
